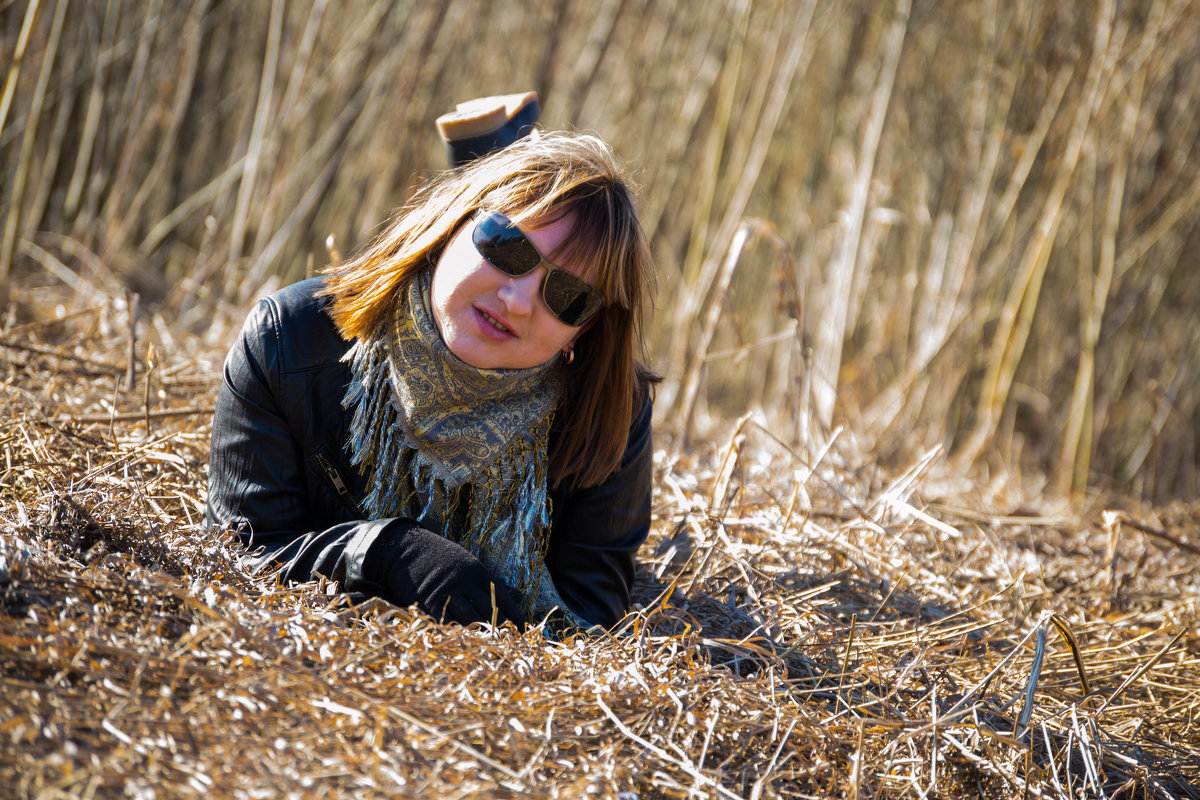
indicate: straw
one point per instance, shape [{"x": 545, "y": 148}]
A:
[{"x": 831, "y": 644}]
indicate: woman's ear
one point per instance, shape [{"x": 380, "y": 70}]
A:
[
  {"x": 587, "y": 326},
  {"x": 584, "y": 328}
]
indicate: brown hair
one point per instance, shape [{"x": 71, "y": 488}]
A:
[{"x": 539, "y": 178}]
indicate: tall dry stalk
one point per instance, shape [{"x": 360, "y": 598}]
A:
[
  {"x": 846, "y": 266},
  {"x": 694, "y": 288},
  {"x": 939, "y": 234},
  {"x": 14, "y": 65},
  {"x": 258, "y": 130},
  {"x": 1016, "y": 314},
  {"x": 1076, "y": 450},
  {"x": 24, "y": 163}
]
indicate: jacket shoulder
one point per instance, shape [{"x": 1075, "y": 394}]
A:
[{"x": 299, "y": 322}]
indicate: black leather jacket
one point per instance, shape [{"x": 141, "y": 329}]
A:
[{"x": 280, "y": 476}]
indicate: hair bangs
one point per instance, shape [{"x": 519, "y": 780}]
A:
[{"x": 602, "y": 247}]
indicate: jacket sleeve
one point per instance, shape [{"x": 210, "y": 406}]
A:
[
  {"x": 596, "y": 532},
  {"x": 259, "y": 483}
]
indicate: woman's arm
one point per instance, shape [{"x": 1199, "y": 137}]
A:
[
  {"x": 596, "y": 532},
  {"x": 259, "y": 483},
  {"x": 276, "y": 476}
]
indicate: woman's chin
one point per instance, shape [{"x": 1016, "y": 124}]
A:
[{"x": 481, "y": 355}]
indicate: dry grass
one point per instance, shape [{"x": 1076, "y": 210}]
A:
[
  {"x": 807, "y": 626},
  {"x": 959, "y": 225},
  {"x": 991, "y": 208}
]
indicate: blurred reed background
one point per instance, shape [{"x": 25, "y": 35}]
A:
[{"x": 967, "y": 223}]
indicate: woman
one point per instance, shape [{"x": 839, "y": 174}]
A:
[{"x": 459, "y": 416}]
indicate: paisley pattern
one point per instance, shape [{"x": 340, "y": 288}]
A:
[{"x": 460, "y": 450}]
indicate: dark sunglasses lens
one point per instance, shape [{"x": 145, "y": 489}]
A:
[
  {"x": 504, "y": 246},
  {"x": 571, "y": 300}
]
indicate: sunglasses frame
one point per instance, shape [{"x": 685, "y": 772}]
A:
[{"x": 484, "y": 243}]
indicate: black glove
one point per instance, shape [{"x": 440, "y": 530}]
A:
[{"x": 416, "y": 565}]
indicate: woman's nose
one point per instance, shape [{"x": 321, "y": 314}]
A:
[{"x": 520, "y": 294}]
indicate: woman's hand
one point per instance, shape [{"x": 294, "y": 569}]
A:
[{"x": 444, "y": 580}]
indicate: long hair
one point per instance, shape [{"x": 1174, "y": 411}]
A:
[{"x": 539, "y": 179}]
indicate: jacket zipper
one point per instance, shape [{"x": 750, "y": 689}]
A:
[{"x": 334, "y": 476}]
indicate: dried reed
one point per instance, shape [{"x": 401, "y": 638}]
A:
[
  {"x": 803, "y": 629},
  {"x": 993, "y": 204},
  {"x": 1007, "y": 196}
]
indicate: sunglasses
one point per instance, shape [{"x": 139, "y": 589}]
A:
[{"x": 504, "y": 246}]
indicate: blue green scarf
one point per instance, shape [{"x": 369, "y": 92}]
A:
[{"x": 462, "y": 451}]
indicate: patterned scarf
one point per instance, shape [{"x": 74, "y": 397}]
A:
[{"x": 463, "y": 451}]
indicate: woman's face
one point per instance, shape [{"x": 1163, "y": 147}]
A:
[{"x": 491, "y": 320}]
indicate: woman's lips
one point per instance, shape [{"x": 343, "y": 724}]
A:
[{"x": 492, "y": 326}]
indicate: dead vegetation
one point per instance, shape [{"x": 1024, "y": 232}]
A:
[
  {"x": 988, "y": 212},
  {"x": 807, "y": 626},
  {"x": 968, "y": 226}
]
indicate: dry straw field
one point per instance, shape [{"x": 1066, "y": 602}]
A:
[{"x": 926, "y": 519}]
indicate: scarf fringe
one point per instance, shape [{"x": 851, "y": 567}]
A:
[{"x": 501, "y": 516}]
